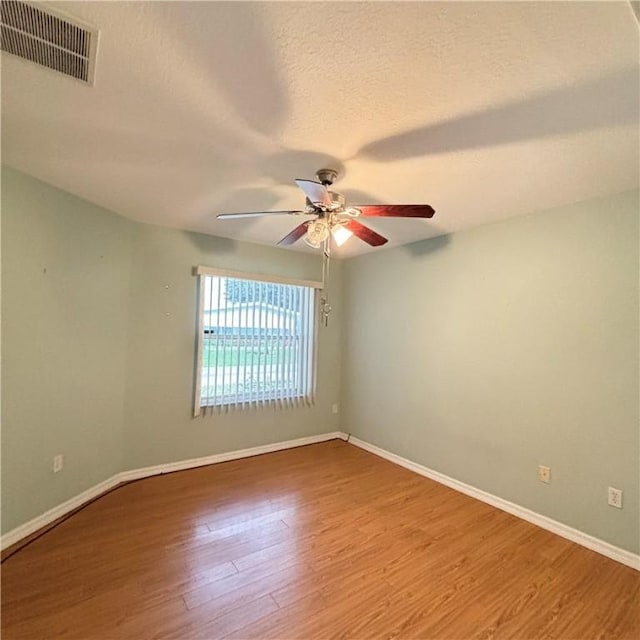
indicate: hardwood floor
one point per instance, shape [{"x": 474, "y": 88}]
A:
[{"x": 324, "y": 541}]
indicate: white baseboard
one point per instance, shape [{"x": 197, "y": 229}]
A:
[
  {"x": 595, "y": 544},
  {"x": 145, "y": 472},
  {"x": 26, "y": 529}
]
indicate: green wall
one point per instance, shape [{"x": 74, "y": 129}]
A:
[
  {"x": 98, "y": 327},
  {"x": 503, "y": 347},
  {"x": 159, "y": 400},
  {"x": 65, "y": 289}
]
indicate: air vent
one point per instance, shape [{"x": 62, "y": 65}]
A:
[{"x": 43, "y": 35}]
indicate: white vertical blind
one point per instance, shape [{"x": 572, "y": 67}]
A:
[{"x": 256, "y": 343}]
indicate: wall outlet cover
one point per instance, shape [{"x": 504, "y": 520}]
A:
[
  {"x": 544, "y": 474},
  {"x": 615, "y": 498}
]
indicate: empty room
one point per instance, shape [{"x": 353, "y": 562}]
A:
[{"x": 320, "y": 320}]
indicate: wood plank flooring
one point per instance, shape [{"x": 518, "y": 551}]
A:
[{"x": 323, "y": 541}]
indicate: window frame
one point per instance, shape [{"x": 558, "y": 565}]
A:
[{"x": 201, "y": 271}]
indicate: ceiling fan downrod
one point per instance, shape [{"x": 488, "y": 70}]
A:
[{"x": 327, "y": 176}]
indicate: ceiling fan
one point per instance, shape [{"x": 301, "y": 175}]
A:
[{"x": 326, "y": 214}]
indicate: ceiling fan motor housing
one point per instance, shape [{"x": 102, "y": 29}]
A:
[{"x": 337, "y": 199}]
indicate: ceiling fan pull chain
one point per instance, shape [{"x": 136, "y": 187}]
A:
[
  {"x": 325, "y": 307},
  {"x": 325, "y": 310}
]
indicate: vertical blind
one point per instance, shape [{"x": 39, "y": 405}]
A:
[{"x": 256, "y": 344}]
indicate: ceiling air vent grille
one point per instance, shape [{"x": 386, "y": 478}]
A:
[{"x": 48, "y": 38}]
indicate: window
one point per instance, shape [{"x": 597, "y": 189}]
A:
[{"x": 256, "y": 341}]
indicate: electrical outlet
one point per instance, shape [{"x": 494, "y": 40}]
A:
[
  {"x": 58, "y": 463},
  {"x": 544, "y": 474},
  {"x": 615, "y": 498},
  {"x": 334, "y": 408}
]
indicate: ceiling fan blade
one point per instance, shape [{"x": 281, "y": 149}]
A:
[
  {"x": 364, "y": 233},
  {"x": 257, "y": 214},
  {"x": 396, "y": 210},
  {"x": 315, "y": 191},
  {"x": 295, "y": 235}
]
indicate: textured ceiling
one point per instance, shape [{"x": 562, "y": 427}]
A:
[{"x": 483, "y": 110}]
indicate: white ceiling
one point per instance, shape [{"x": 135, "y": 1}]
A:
[{"x": 483, "y": 110}]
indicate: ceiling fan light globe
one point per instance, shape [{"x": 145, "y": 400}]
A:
[
  {"x": 310, "y": 243},
  {"x": 317, "y": 232},
  {"x": 341, "y": 235}
]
